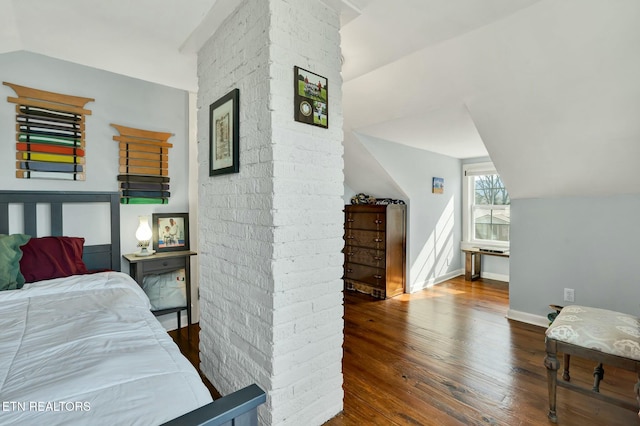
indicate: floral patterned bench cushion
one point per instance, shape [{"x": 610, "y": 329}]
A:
[{"x": 607, "y": 331}]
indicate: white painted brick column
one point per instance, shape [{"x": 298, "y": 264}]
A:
[{"x": 271, "y": 235}]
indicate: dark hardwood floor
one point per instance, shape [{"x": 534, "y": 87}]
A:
[
  {"x": 448, "y": 356},
  {"x": 191, "y": 351}
]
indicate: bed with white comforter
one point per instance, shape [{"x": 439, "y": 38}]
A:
[{"x": 87, "y": 350}]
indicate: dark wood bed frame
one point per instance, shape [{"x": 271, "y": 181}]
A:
[{"x": 237, "y": 409}]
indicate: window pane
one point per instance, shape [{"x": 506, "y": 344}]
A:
[
  {"x": 492, "y": 225},
  {"x": 500, "y": 233},
  {"x": 489, "y": 189},
  {"x": 483, "y": 231},
  {"x": 501, "y": 197},
  {"x": 490, "y": 214},
  {"x": 482, "y": 197}
]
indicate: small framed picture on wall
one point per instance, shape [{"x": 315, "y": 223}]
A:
[{"x": 437, "y": 185}]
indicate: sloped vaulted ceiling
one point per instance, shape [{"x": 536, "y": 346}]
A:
[
  {"x": 564, "y": 119},
  {"x": 139, "y": 38},
  {"x": 551, "y": 89},
  {"x": 548, "y": 89}
]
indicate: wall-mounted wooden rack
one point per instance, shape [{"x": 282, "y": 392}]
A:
[
  {"x": 50, "y": 134},
  {"x": 143, "y": 165}
]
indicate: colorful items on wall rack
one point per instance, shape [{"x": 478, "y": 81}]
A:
[
  {"x": 144, "y": 165},
  {"x": 50, "y": 130}
]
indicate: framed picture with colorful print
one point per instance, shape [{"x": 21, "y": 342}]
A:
[{"x": 311, "y": 102}]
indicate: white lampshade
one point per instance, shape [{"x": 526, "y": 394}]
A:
[{"x": 143, "y": 233}]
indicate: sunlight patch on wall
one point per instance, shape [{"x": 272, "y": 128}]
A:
[{"x": 437, "y": 252}]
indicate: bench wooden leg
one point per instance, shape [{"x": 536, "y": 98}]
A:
[
  {"x": 636, "y": 388},
  {"x": 552, "y": 364},
  {"x": 565, "y": 371},
  {"x": 598, "y": 375}
]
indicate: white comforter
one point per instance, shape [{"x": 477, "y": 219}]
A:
[{"x": 86, "y": 350}]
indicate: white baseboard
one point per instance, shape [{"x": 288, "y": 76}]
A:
[
  {"x": 528, "y": 318},
  {"x": 433, "y": 281},
  {"x": 497, "y": 277}
]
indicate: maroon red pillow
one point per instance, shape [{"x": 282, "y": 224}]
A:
[{"x": 46, "y": 258}]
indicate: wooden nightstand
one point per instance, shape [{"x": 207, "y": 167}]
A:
[{"x": 160, "y": 263}]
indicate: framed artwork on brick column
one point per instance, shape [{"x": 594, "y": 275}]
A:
[
  {"x": 311, "y": 98},
  {"x": 224, "y": 134}
]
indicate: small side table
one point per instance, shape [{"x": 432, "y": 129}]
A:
[
  {"x": 472, "y": 263},
  {"x": 141, "y": 266}
]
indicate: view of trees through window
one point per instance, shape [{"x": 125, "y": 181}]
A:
[{"x": 491, "y": 209}]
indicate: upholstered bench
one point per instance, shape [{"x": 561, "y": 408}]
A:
[{"x": 607, "y": 337}]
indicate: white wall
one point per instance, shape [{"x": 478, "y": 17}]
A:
[
  {"x": 118, "y": 99},
  {"x": 271, "y": 235},
  {"x": 308, "y": 218},
  {"x": 434, "y": 229},
  {"x": 193, "y": 203},
  {"x": 584, "y": 243},
  {"x": 366, "y": 174},
  {"x": 348, "y": 193},
  {"x": 236, "y": 314},
  {"x": 236, "y": 282}
]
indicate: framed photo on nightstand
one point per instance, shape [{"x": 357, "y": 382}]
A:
[{"x": 170, "y": 231}]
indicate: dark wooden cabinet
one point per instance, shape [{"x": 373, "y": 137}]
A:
[{"x": 374, "y": 249}]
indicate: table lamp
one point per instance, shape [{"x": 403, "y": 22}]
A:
[{"x": 143, "y": 235}]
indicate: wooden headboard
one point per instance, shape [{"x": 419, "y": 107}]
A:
[{"x": 102, "y": 256}]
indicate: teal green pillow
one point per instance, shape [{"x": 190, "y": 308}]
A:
[{"x": 10, "y": 255}]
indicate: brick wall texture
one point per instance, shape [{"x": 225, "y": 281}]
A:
[{"x": 271, "y": 236}]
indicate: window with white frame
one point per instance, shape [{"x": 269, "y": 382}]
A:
[{"x": 487, "y": 206}]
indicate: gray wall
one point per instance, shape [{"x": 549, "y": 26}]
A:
[
  {"x": 586, "y": 243},
  {"x": 495, "y": 268}
]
